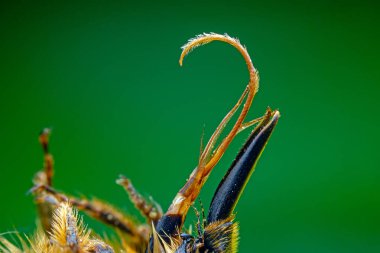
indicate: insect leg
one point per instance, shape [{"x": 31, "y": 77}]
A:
[
  {"x": 44, "y": 177},
  {"x": 172, "y": 221},
  {"x": 98, "y": 210},
  {"x": 152, "y": 212},
  {"x": 48, "y": 158}
]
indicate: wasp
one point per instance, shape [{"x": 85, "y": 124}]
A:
[{"x": 61, "y": 229}]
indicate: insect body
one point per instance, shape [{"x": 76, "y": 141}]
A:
[{"x": 63, "y": 231}]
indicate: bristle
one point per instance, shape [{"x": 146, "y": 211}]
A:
[
  {"x": 203, "y": 39},
  {"x": 68, "y": 231},
  {"x": 160, "y": 245},
  {"x": 222, "y": 236},
  {"x": 20, "y": 244},
  {"x": 40, "y": 242},
  {"x": 7, "y": 247},
  {"x": 68, "y": 235}
]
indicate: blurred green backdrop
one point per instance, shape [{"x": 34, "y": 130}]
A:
[{"x": 105, "y": 76}]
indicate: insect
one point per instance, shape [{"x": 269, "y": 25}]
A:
[{"x": 62, "y": 229}]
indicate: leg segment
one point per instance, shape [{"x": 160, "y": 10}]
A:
[
  {"x": 152, "y": 212},
  {"x": 44, "y": 177},
  {"x": 173, "y": 219},
  {"x": 48, "y": 158},
  {"x": 98, "y": 210}
]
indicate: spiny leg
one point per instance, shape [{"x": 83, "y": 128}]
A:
[
  {"x": 198, "y": 224},
  {"x": 45, "y": 177},
  {"x": 173, "y": 219},
  {"x": 253, "y": 122},
  {"x": 99, "y": 210},
  {"x": 152, "y": 212},
  {"x": 49, "y": 200},
  {"x": 203, "y": 214},
  {"x": 48, "y": 158}
]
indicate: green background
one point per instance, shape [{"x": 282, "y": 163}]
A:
[{"x": 105, "y": 76}]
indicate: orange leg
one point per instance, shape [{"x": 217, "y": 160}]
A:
[{"x": 152, "y": 212}]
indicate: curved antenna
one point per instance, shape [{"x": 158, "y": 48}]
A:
[{"x": 173, "y": 220}]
